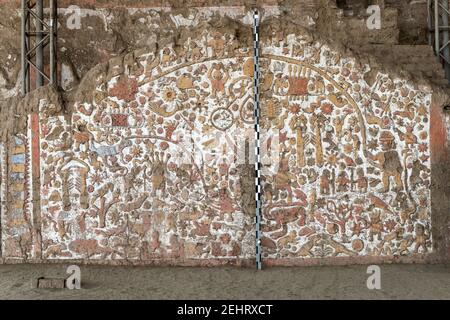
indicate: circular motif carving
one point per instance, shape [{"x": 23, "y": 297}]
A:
[{"x": 222, "y": 119}]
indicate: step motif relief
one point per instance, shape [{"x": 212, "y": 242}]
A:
[
  {"x": 16, "y": 218},
  {"x": 146, "y": 167}
]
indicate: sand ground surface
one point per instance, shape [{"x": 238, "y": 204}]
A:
[{"x": 341, "y": 282}]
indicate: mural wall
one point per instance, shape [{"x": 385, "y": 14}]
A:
[
  {"x": 354, "y": 174},
  {"x": 139, "y": 172},
  {"x": 152, "y": 166}
]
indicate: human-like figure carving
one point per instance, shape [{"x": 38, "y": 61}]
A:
[
  {"x": 343, "y": 181},
  {"x": 167, "y": 57},
  {"x": 281, "y": 84},
  {"x": 375, "y": 225},
  {"x": 388, "y": 161},
  {"x": 299, "y": 124},
  {"x": 158, "y": 171},
  {"x": 415, "y": 178},
  {"x": 196, "y": 51},
  {"x": 421, "y": 238},
  {"x": 361, "y": 182},
  {"x": 217, "y": 44},
  {"x": 325, "y": 182},
  {"x": 409, "y": 137},
  {"x": 218, "y": 77}
]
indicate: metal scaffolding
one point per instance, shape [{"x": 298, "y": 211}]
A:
[
  {"x": 37, "y": 34},
  {"x": 438, "y": 36}
]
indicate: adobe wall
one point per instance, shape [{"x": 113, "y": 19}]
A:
[
  {"x": 141, "y": 162},
  {"x": 111, "y": 28}
]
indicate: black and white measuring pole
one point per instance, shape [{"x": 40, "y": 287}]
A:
[{"x": 257, "y": 141}]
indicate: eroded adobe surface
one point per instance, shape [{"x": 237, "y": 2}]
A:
[{"x": 108, "y": 29}]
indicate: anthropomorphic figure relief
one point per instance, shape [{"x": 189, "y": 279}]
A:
[
  {"x": 105, "y": 204},
  {"x": 361, "y": 182},
  {"x": 158, "y": 171},
  {"x": 283, "y": 178},
  {"x": 353, "y": 170},
  {"x": 196, "y": 51},
  {"x": 167, "y": 57},
  {"x": 416, "y": 179},
  {"x": 325, "y": 178},
  {"x": 299, "y": 125},
  {"x": 319, "y": 85},
  {"x": 281, "y": 84},
  {"x": 217, "y": 44},
  {"x": 421, "y": 238},
  {"x": 375, "y": 225},
  {"x": 389, "y": 162},
  {"x": 343, "y": 182},
  {"x": 218, "y": 77},
  {"x": 318, "y": 122},
  {"x": 409, "y": 136}
]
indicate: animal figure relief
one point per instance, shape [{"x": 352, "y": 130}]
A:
[
  {"x": 81, "y": 137},
  {"x": 354, "y": 160},
  {"x": 109, "y": 151}
]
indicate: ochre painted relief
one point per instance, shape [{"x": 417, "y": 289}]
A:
[
  {"x": 150, "y": 165},
  {"x": 16, "y": 222},
  {"x": 354, "y": 176},
  {"x": 140, "y": 171}
]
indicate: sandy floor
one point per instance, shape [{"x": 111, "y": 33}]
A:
[{"x": 398, "y": 282}]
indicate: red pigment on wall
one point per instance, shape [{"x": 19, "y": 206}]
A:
[{"x": 438, "y": 135}]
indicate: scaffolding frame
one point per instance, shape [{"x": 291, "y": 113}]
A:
[
  {"x": 37, "y": 34},
  {"x": 438, "y": 31}
]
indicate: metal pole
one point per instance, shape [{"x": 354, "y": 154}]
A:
[
  {"x": 436, "y": 28},
  {"x": 430, "y": 21},
  {"x": 53, "y": 28},
  {"x": 40, "y": 48},
  {"x": 24, "y": 48},
  {"x": 27, "y": 45},
  {"x": 445, "y": 40}
]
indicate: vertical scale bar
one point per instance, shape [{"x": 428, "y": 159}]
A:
[
  {"x": 40, "y": 48},
  {"x": 257, "y": 141}
]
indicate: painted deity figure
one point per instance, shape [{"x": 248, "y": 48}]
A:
[
  {"x": 218, "y": 77},
  {"x": 388, "y": 161}
]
